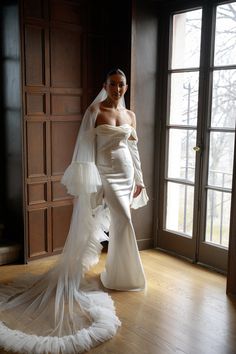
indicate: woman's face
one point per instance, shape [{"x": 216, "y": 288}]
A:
[{"x": 116, "y": 86}]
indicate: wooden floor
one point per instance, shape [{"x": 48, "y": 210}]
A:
[{"x": 184, "y": 311}]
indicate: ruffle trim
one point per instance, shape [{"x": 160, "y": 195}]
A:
[
  {"x": 104, "y": 327},
  {"x": 93, "y": 250},
  {"x": 140, "y": 201},
  {"x": 97, "y": 304},
  {"x": 100, "y": 225},
  {"x": 81, "y": 177}
]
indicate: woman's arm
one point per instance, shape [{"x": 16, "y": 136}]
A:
[{"x": 132, "y": 143}]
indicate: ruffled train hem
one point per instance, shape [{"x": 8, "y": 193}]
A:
[
  {"x": 104, "y": 327},
  {"x": 64, "y": 291}
]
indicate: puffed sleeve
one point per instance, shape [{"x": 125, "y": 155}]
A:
[{"x": 82, "y": 175}]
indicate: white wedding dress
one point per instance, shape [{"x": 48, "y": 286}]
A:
[
  {"x": 124, "y": 270},
  {"x": 60, "y": 312}
]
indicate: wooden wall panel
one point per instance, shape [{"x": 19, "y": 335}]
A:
[
  {"x": 65, "y": 104},
  {"x": 53, "y": 48},
  {"x": 61, "y": 216},
  {"x": 66, "y": 57},
  {"x": 36, "y": 149},
  {"x": 62, "y": 145},
  {"x": 37, "y": 193},
  {"x": 38, "y": 240},
  {"x": 34, "y": 56},
  {"x": 59, "y": 191},
  {"x": 35, "y": 104}
]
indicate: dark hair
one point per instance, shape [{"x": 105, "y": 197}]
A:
[{"x": 115, "y": 72}]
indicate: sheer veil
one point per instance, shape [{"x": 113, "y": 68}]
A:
[{"x": 59, "y": 312}]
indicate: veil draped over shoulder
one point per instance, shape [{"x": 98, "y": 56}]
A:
[{"x": 60, "y": 312}]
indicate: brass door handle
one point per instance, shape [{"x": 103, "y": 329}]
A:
[{"x": 197, "y": 148}]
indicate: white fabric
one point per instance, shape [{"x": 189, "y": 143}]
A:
[
  {"x": 124, "y": 269},
  {"x": 82, "y": 175},
  {"x": 59, "y": 312},
  {"x": 142, "y": 198}
]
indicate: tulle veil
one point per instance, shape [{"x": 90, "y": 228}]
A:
[{"x": 59, "y": 312}]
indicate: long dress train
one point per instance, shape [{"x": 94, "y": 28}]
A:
[{"x": 60, "y": 312}]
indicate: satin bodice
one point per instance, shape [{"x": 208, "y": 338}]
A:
[
  {"x": 113, "y": 134},
  {"x": 111, "y": 145}
]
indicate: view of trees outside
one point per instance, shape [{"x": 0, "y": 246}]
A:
[
  {"x": 222, "y": 129},
  {"x": 183, "y": 123},
  {"x": 186, "y": 41}
]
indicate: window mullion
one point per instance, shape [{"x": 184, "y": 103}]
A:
[{"x": 204, "y": 108}]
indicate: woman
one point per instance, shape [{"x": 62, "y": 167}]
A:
[
  {"x": 116, "y": 145},
  {"x": 59, "y": 312}
]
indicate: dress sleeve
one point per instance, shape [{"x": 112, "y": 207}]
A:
[
  {"x": 82, "y": 175},
  {"x": 142, "y": 198}
]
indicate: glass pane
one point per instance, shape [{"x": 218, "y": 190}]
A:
[
  {"x": 225, "y": 36},
  {"x": 221, "y": 154},
  {"x": 186, "y": 39},
  {"x": 184, "y": 98},
  {"x": 179, "y": 213},
  {"x": 181, "y": 162},
  {"x": 224, "y": 99},
  {"x": 218, "y": 217}
]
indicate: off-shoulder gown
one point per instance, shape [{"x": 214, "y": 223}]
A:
[
  {"x": 124, "y": 269},
  {"x": 59, "y": 312}
]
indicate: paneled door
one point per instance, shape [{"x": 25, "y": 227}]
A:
[
  {"x": 53, "y": 96},
  {"x": 198, "y": 133}
]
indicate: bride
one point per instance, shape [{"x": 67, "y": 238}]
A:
[{"x": 60, "y": 311}]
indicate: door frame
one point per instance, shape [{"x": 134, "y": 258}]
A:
[{"x": 185, "y": 247}]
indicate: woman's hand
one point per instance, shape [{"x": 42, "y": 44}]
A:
[{"x": 137, "y": 190}]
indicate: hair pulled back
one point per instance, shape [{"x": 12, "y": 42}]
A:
[{"x": 115, "y": 72}]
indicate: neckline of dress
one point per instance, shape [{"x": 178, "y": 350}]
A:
[{"x": 114, "y": 126}]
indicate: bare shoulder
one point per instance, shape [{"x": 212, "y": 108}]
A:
[
  {"x": 94, "y": 107},
  {"x": 132, "y": 117}
]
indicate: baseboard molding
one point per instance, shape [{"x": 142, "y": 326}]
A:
[{"x": 145, "y": 244}]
